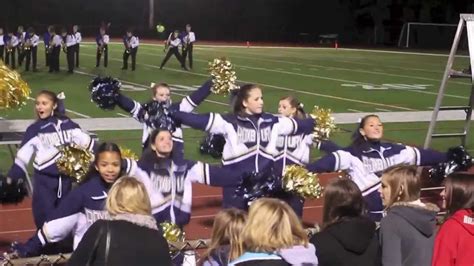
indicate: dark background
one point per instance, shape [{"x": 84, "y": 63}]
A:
[{"x": 358, "y": 22}]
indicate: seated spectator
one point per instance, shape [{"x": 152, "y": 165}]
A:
[
  {"x": 407, "y": 232},
  {"x": 347, "y": 237},
  {"x": 455, "y": 240},
  {"x": 129, "y": 237},
  {"x": 226, "y": 244},
  {"x": 273, "y": 235}
]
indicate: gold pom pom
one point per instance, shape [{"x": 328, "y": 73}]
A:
[
  {"x": 324, "y": 123},
  {"x": 74, "y": 161},
  {"x": 127, "y": 153},
  {"x": 298, "y": 180},
  {"x": 14, "y": 91},
  {"x": 172, "y": 232},
  {"x": 223, "y": 76}
]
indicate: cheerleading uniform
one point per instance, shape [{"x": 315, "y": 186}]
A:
[
  {"x": 187, "y": 104},
  {"x": 250, "y": 141},
  {"x": 365, "y": 164},
  {"x": 76, "y": 213},
  {"x": 169, "y": 183},
  {"x": 42, "y": 138}
]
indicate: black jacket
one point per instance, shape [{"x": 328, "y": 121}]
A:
[
  {"x": 349, "y": 242},
  {"x": 130, "y": 244}
]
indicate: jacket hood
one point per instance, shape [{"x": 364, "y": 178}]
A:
[
  {"x": 466, "y": 219},
  {"x": 354, "y": 234},
  {"x": 300, "y": 255},
  {"x": 422, "y": 218}
]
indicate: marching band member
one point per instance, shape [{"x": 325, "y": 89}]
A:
[
  {"x": 131, "y": 47},
  {"x": 21, "y": 35},
  {"x": 11, "y": 44},
  {"x": 69, "y": 44},
  {"x": 55, "y": 44},
  {"x": 188, "y": 43},
  {"x": 2, "y": 44},
  {"x": 31, "y": 49},
  {"x": 172, "y": 44},
  {"x": 102, "y": 41},
  {"x": 47, "y": 41},
  {"x": 78, "y": 37}
]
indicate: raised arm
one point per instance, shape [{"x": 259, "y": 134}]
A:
[
  {"x": 290, "y": 126},
  {"x": 190, "y": 102},
  {"x": 211, "y": 122},
  {"x": 130, "y": 106},
  {"x": 217, "y": 176},
  {"x": 416, "y": 156}
]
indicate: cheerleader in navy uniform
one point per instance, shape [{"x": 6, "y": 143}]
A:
[
  {"x": 161, "y": 93},
  {"x": 42, "y": 139},
  {"x": 188, "y": 43},
  {"x": 367, "y": 157},
  {"x": 2, "y": 43},
  {"x": 78, "y": 37},
  {"x": 69, "y": 44},
  {"x": 169, "y": 181},
  {"x": 250, "y": 135},
  {"x": 31, "y": 50},
  {"x": 102, "y": 41},
  {"x": 11, "y": 44},
  {"x": 84, "y": 205},
  {"x": 296, "y": 149},
  {"x": 131, "y": 43},
  {"x": 172, "y": 44}
]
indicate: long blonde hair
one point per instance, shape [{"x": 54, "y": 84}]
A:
[
  {"x": 227, "y": 230},
  {"x": 128, "y": 195},
  {"x": 404, "y": 183},
  {"x": 272, "y": 225}
]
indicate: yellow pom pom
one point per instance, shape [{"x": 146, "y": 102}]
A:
[
  {"x": 14, "y": 91},
  {"x": 74, "y": 161},
  {"x": 127, "y": 153},
  {"x": 172, "y": 232},
  {"x": 298, "y": 180},
  {"x": 324, "y": 123},
  {"x": 223, "y": 76}
]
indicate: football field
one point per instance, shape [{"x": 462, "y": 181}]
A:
[{"x": 345, "y": 80}]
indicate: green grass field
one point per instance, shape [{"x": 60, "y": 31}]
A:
[{"x": 345, "y": 80}]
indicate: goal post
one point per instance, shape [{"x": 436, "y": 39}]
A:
[{"x": 407, "y": 30}]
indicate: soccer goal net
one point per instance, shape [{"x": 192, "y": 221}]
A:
[{"x": 419, "y": 35}]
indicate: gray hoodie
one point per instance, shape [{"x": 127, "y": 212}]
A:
[
  {"x": 407, "y": 234},
  {"x": 300, "y": 255}
]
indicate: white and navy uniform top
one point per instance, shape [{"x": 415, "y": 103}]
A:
[
  {"x": 11, "y": 40},
  {"x": 250, "y": 141},
  {"x": 189, "y": 37},
  {"x": 187, "y": 104},
  {"x": 46, "y": 38},
  {"x": 170, "y": 182},
  {"x": 2, "y": 40},
  {"x": 78, "y": 37},
  {"x": 134, "y": 42},
  {"x": 82, "y": 207},
  {"x": 365, "y": 163},
  {"x": 42, "y": 138},
  {"x": 70, "y": 40},
  {"x": 21, "y": 37},
  {"x": 173, "y": 42},
  {"x": 56, "y": 41},
  {"x": 34, "y": 40},
  {"x": 102, "y": 39}
]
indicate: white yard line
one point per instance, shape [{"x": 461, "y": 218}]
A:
[
  {"x": 383, "y": 110},
  {"x": 280, "y": 88},
  {"x": 355, "y": 110}
]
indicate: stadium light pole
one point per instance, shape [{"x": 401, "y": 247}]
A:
[{"x": 151, "y": 14}]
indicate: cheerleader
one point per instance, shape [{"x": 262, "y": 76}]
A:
[
  {"x": 78, "y": 37},
  {"x": 172, "y": 44},
  {"x": 31, "y": 49},
  {"x": 367, "y": 157},
  {"x": 131, "y": 43},
  {"x": 42, "y": 139},
  {"x": 250, "y": 135},
  {"x": 11, "y": 44},
  {"x": 84, "y": 205},
  {"x": 296, "y": 149},
  {"x": 169, "y": 181},
  {"x": 162, "y": 93},
  {"x": 102, "y": 41}
]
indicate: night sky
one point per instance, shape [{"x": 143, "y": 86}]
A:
[{"x": 356, "y": 21}]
